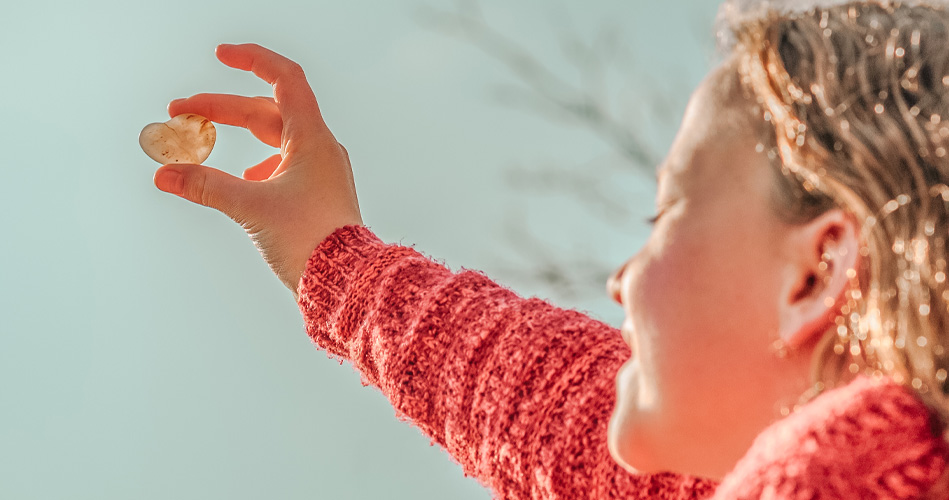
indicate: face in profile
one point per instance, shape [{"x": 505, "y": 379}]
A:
[{"x": 704, "y": 299}]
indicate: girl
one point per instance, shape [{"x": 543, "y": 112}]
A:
[{"x": 785, "y": 321}]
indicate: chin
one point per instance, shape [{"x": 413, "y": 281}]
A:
[
  {"x": 631, "y": 436},
  {"x": 620, "y": 456},
  {"x": 625, "y": 438},
  {"x": 639, "y": 448},
  {"x": 627, "y": 445}
]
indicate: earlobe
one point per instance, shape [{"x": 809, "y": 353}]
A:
[{"x": 825, "y": 253}]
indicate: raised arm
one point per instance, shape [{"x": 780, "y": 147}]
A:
[{"x": 518, "y": 391}]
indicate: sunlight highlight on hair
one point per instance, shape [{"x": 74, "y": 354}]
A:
[{"x": 852, "y": 97}]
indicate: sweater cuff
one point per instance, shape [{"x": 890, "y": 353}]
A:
[{"x": 333, "y": 267}]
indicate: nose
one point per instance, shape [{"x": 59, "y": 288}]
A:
[{"x": 613, "y": 284}]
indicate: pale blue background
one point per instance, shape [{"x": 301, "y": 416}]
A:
[{"x": 146, "y": 351}]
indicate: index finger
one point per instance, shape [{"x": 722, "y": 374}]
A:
[{"x": 292, "y": 93}]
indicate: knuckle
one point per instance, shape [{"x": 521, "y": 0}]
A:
[
  {"x": 199, "y": 189},
  {"x": 294, "y": 70}
]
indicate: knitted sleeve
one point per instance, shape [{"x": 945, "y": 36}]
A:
[{"x": 518, "y": 391}]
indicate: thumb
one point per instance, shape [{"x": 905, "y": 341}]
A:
[{"x": 206, "y": 186}]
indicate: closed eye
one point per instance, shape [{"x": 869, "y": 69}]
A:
[
  {"x": 662, "y": 209},
  {"x": 652, "y": 220}
]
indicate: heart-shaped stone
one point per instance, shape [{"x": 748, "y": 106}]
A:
[{"x": 186, "y": 138}]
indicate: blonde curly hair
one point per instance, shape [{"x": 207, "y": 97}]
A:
[{"x": 855, "y": 101}]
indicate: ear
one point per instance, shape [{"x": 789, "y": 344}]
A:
[{"x": 811, "y": 294}]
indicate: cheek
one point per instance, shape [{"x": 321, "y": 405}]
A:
[
  {"x": 699, "y": 342},
  {"x": 669, "y": 300},
  {"x": 701, "y": 299}
]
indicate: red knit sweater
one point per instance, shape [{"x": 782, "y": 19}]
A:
[{"x": 520, "y": 392}]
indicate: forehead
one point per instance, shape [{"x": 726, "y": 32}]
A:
[{"x": 719, "y": 123}]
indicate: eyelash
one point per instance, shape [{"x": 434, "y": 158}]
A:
[
  {"x": 652, "y": 220},
  {"x": 661, "y": 210}
]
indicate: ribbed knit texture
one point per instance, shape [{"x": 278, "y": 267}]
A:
[
  {"x": 520, "y": 392},
  {"x": 868, "y": 439}
]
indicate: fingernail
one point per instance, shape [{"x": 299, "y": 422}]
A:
[{"x": 170, "y": 181}]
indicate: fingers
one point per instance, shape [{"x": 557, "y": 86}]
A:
[
  {"x": 263, "y": 170},
  {"x": 205, "y": 186},
  {"x": 292, "y": 93},
  {"x": 260, "y": 115}
]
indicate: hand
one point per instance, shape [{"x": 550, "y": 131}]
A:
[{"x": 291, "y": 201}]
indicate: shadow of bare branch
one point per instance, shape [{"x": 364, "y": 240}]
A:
[{"x": 585, "y": 100}]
